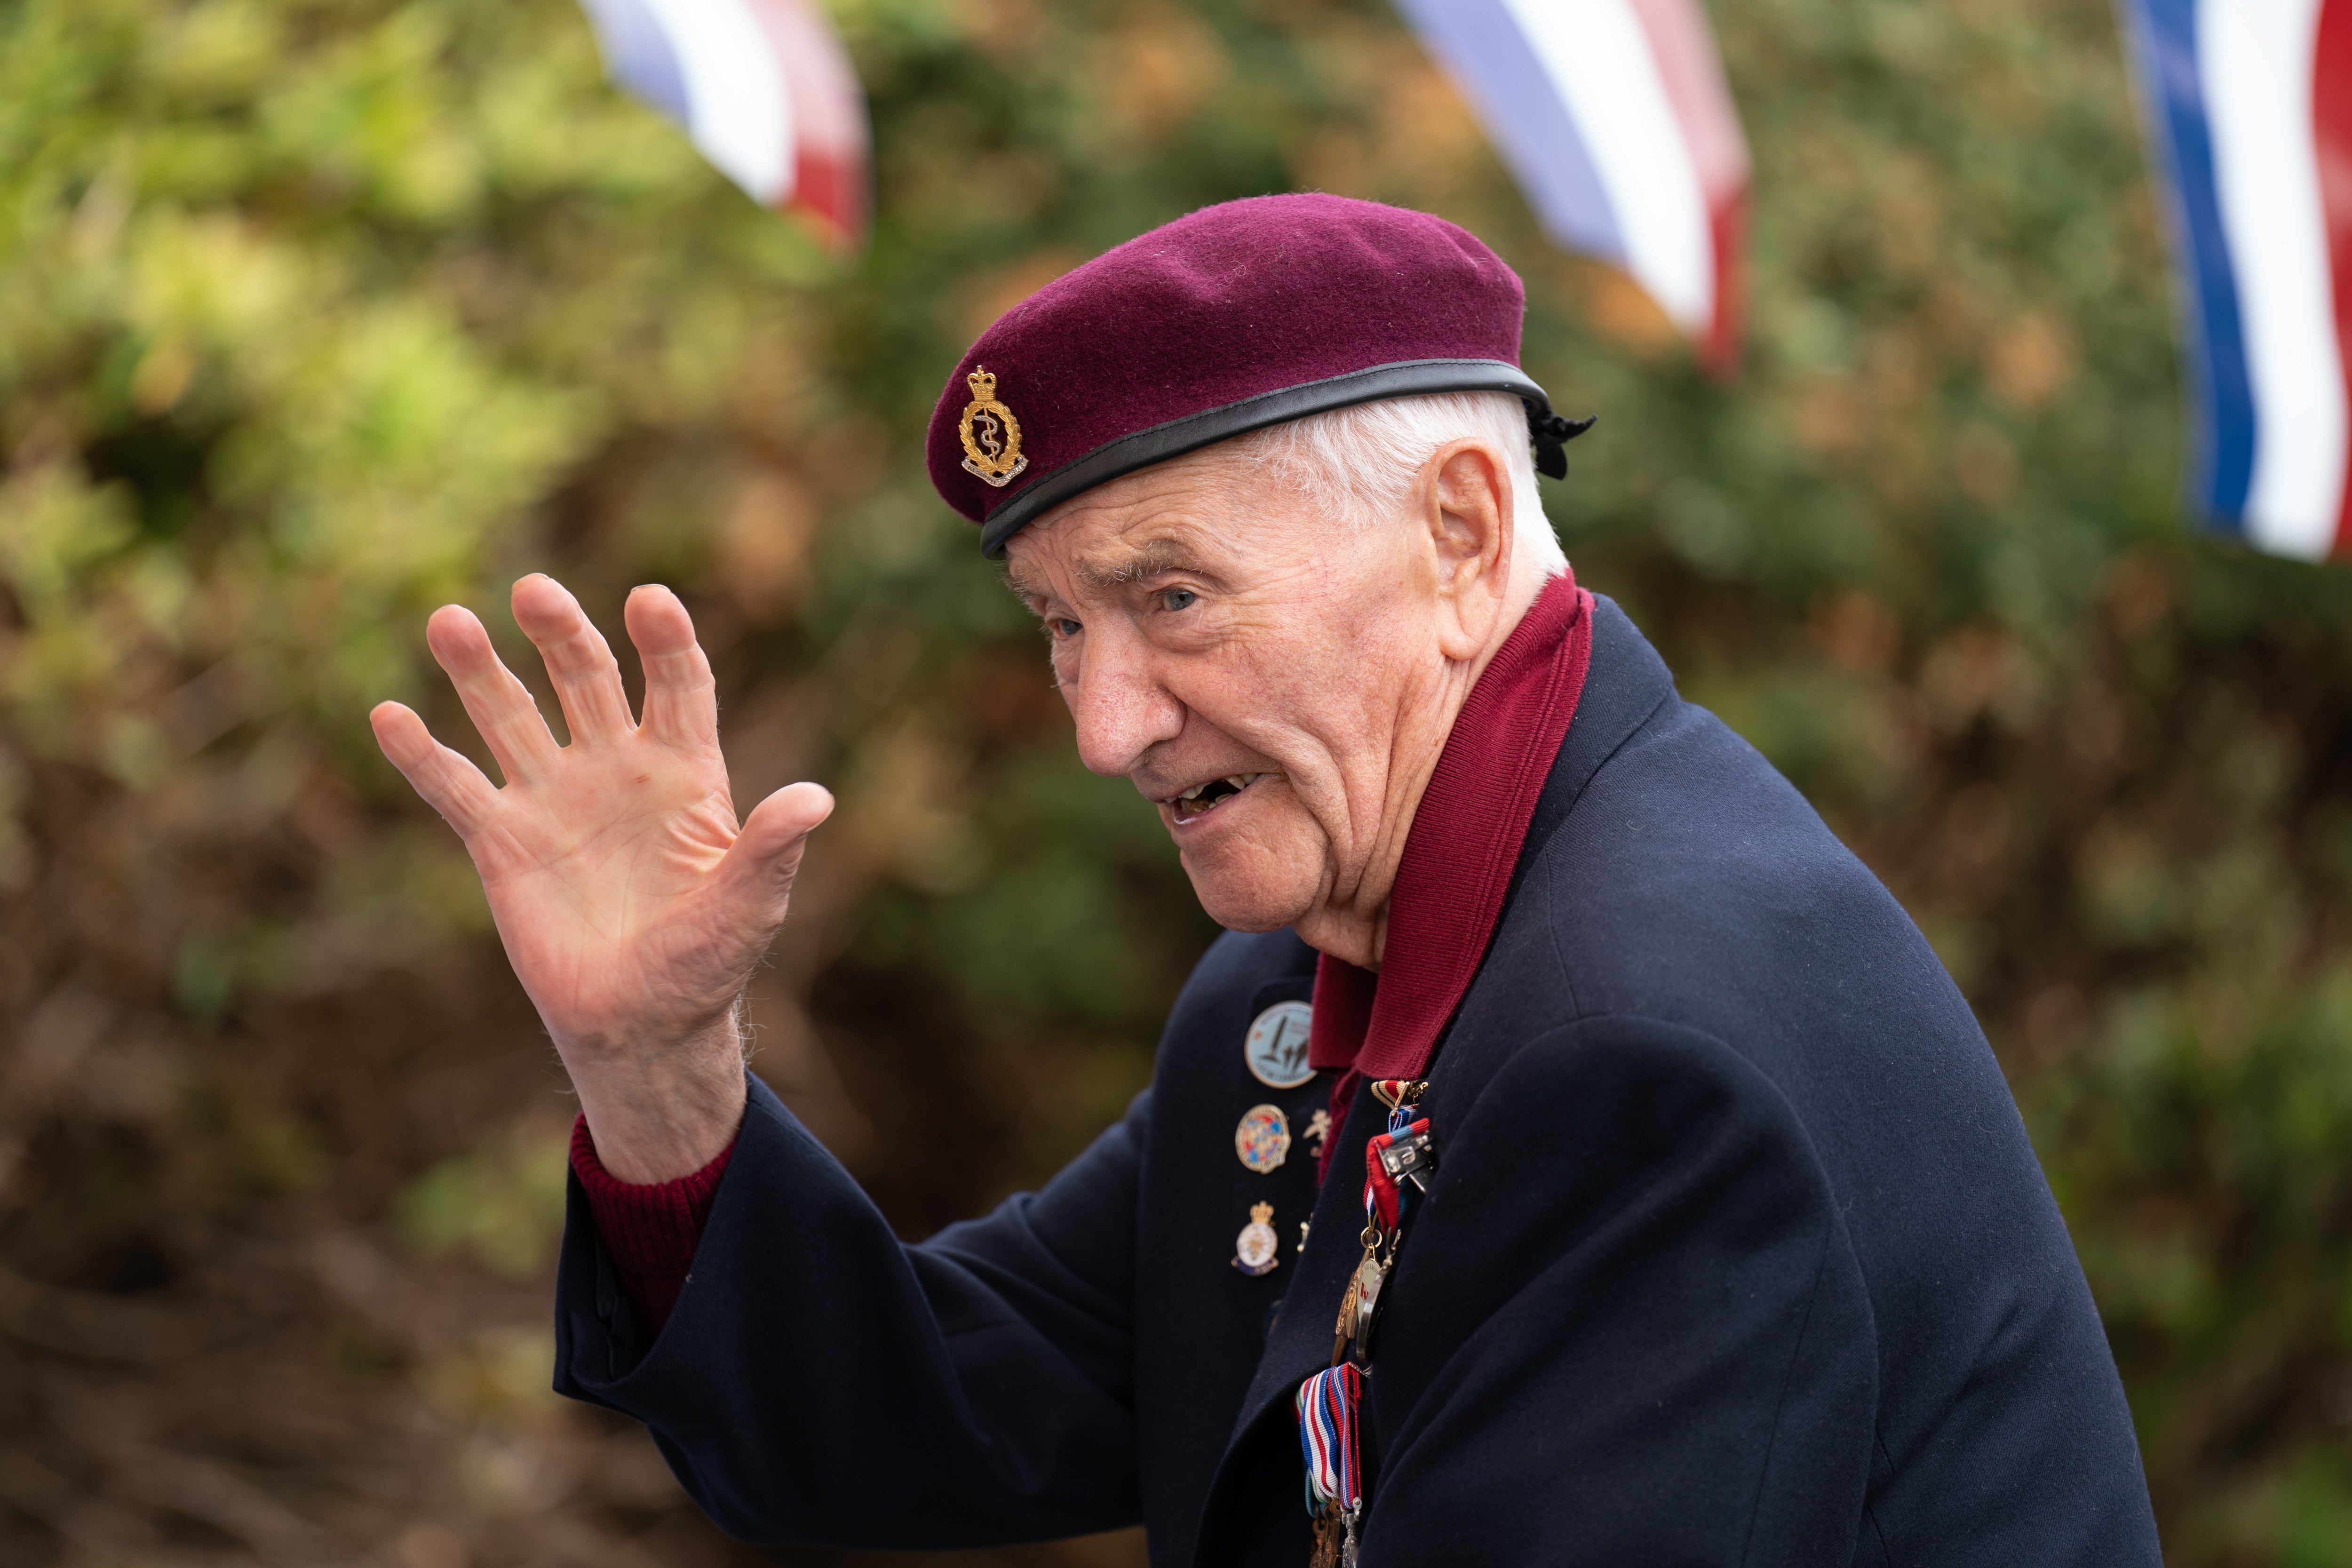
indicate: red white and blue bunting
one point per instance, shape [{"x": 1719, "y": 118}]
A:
[
  {"x": 1614, "y": 117},
  {"x": 2251, "y": 105},
  {"x": 764, "y": 89}
]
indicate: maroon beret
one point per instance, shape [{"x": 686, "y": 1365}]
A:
[{"x": 1234, "y": 318}]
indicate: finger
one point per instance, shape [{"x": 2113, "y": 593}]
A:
[
  {"x": 450, "y": 784},
  {"x": 587, "y": 678},
  {"x": 765, "y": 857},
  {"x": 681, "y": 699},
  {"x": 500, "y": 705}
]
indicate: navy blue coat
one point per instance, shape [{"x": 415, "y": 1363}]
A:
[{"x": 1737, "y": 1254}]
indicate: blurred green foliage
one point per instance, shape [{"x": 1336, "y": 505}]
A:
[
  {"x": 315, "y": 313},
  {"x": 500, "y": 1202}
]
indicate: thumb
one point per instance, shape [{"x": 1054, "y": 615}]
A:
[{"x": 766, "y": 854}]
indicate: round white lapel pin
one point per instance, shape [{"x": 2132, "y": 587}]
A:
[{"x": 1275, "y": 1046}]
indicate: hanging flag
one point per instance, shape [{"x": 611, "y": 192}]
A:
[
  {"x": 2249, "y": 103},
  {"x": 1615, "y": 119},
  {"x": 764, "y": 88}
]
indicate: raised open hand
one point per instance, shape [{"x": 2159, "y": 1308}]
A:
[{"x": 633, "y": 906}]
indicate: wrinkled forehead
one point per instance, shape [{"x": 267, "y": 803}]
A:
[{"x": 1200, "y": 513}]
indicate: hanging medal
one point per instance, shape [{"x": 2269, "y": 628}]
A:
[{"x": 1397, "y": 1164}]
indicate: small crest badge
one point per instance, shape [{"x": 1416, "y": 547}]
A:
[
  {"x": 1255, "y": 1250},
  {"x": 1319, "y": 1127},
  {"x": 991, "y": 436},
  {"x": 1262, "y": 1139}
]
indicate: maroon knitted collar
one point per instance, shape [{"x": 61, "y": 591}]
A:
[{"x": 1458, "y": 856}]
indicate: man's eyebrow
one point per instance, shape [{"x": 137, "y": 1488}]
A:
[
  {"x": 1147, "y": 560},
  {"x": 1022, "y": 587}
]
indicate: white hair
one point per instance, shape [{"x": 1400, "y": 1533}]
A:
[{"x": 1358, "y": 463}]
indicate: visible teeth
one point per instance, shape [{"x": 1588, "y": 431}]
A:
[{"x": 1239, "y": 782}]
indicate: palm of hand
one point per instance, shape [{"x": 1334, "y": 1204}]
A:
[
  {"x": 632, "y": 905},
  {"x": 602, "y": 879}
]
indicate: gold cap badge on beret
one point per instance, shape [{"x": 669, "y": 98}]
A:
[{"x": 991, "y": 436}]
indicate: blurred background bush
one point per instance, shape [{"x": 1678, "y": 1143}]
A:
[{"x": 316, "y": 313}]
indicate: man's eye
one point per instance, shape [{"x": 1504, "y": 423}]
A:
[
  {"x": 1064, "y": 628},
  {"x": 1178, "y": 599}
]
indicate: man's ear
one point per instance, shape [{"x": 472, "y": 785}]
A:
[{"x": 1470, "y": 536}]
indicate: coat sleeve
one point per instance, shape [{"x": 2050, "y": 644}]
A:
[
  {"x": 1664, "y": 1350},
  {"x": 822, "y": 1382}
]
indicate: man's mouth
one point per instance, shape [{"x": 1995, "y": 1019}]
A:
[{"x": 1205, "y": 798}]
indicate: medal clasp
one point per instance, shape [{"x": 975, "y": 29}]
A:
[{"x": 1410, "y": 1158}]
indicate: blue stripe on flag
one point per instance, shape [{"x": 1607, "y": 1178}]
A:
[
  {"x": 637, "y": 55},
  {"x": 2165, "y": 32},
  {"x": 1531, "y": 127}
]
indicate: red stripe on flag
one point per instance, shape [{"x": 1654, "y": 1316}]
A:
[
  {"x": 831, "y": 190},
  {"x": 1726, "y": 222},
  {"x": 2331, "y": 127},
  {"x": 1690, "y": 69},
  {"x": 830, "y": 148}
]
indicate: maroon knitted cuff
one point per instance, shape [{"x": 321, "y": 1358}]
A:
[{"x": 650, "y": 1230}]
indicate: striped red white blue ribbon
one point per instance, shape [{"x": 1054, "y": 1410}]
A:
[{"x": 1326, "y": 1429}]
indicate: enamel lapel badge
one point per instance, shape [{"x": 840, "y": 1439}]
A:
[
  {"x": 991, "y": 436},
  {"x": 1275, "y": 1046},
  {"x": 1262, "y": 1139},
  {"x": 1254, "y": 1250}
]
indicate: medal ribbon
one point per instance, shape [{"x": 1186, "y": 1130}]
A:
[
  {"x": 1331, "y": 1402},
  {"x": 1327, "y": 1430}
]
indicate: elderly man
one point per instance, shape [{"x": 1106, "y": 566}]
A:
[{"x": 1572, "y": 1156}]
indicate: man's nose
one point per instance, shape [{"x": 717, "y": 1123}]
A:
[{"x": 1118, "y": 704}]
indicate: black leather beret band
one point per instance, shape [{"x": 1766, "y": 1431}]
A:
[{"x": 1407, "y": 378}]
